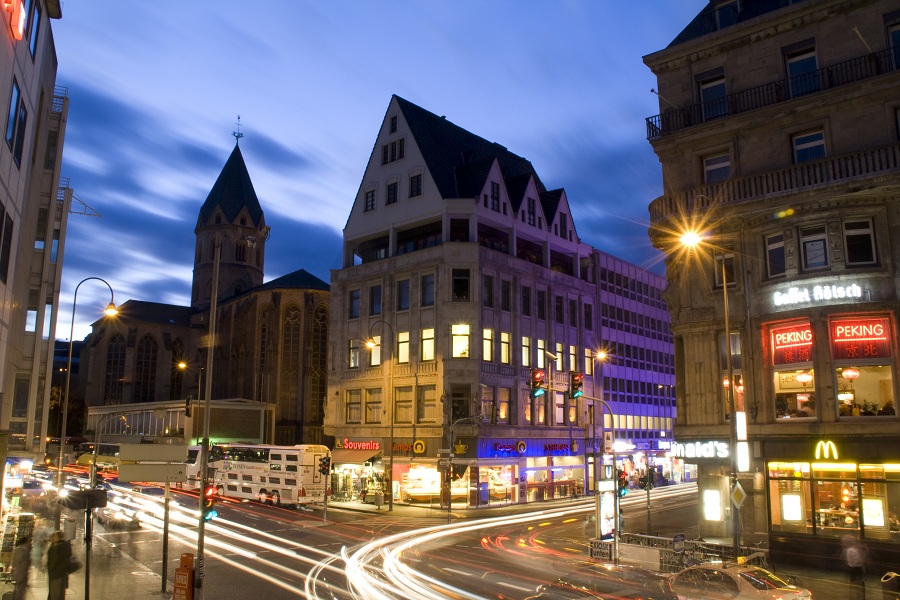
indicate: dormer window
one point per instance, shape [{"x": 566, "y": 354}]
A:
[
  {"x": 218, "y": 219},
  {"x": 532, "y": 209},
  {"x": 727, "y": 13},
  {"x": 394, "y": 124}
]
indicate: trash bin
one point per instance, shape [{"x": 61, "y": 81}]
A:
[
  {"x": 890, "y": 586},
  {"x": 379, "y": 499}
]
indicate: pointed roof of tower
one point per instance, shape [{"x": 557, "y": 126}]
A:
[{"x": 233, "y": 191}]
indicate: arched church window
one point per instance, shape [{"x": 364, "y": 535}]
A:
[
  {"x": 145, "y": 369},
  {"x": 290, "y": 364},
  {"x": 114, "y": 385}
]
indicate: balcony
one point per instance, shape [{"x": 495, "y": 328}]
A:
[
  {"x": 801, "y": 177},
  {"x": 826, "y": 78}
]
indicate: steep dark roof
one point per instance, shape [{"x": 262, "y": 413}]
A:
[
  {"x": 705, "y": 22},
  {"x": 453, "y": 155},
  {"x": 550, "y": 204},
  {"x": 232, "y": 191},
  {"x": 154, "y": 312},
  {"x": 300, "y": 279}
]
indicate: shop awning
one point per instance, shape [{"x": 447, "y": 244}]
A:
[{"x": 343, "y": 456}]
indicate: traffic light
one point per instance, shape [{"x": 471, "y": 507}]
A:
[
  {"x": 538, "y": 383},
  {"x": 646, "y": 481},
  {"x": 576, "y": 384},
  {"x": 209, "y": 503},
  {"x": 623, "y": 482},
  {"x": 324, "y": 465}
]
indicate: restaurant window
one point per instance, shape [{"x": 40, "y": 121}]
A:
[
  {"x": 775, "y": 259},
  {"x": 814, "y": 248},
  {"x": 403, "y": 347},
  {"x": 793, "y": 375},
  {"x": 859, "y": 242},
  {"x": 459, "y": 335},
  {"x": 863, "y": 361}
]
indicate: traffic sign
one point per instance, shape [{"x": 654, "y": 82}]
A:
[
  {"x": 158, "y": 453},
  {"x": 152, "y": 472},
  {"x": 738, "y": 495},
  {"x": 678, "y": 540}
]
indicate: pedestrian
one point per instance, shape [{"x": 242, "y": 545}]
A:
[
  {"x": 21, "y": 563},
  {"x": 58, "y": 554},
  {"x": 855, "y": 559},
  {"x": 39, "y": 544}
]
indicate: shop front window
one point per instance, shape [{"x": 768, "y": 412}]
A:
[
  {"x": 794, "y": 379},
  {"x": 862, "y": 355},
  {"x": 865, "y": 391}
]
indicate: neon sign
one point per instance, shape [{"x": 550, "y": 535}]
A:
[
  {"x": 825, "y": 449},
  {"x": 818, "y": 294},
  {"x": 853, "y": 339},
  {"x": 700, "y": 450},
  {"x": 792, "y": 344}
]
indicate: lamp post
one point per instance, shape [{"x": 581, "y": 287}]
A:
[
  {"x": 370, "y": 344},
  {"x": 88, "y": 512},
  {"x": 110, "y": 310},
  {"x": 691, "y": 240},
  {"x": 601, "y": 357}
]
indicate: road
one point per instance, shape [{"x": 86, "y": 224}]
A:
[{"x": 279, "y": 553}]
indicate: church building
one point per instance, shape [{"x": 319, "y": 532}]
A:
[{"x": 270, "y": 339}]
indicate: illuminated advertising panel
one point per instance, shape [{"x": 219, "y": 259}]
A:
[
  {"x": 792, "y": 344},
  {"x": 861, "y": 338}
]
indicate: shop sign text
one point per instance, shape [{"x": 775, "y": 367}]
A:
[
  {"x": 819, "y": 293},
  {"x": 700, "y": 450}
]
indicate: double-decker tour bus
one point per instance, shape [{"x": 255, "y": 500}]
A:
[
  {"x": 271, "y": 474},
  {"x": 192, "y": 469}
]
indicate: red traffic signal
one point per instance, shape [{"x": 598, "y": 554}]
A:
[
  {"x": 324, "y": 465},
  {"x": 538, "y": 383},
  {"x": 623, "y": 482},
  {"x": 576, "y": 384},
  {"x": 210, "y": 495}
]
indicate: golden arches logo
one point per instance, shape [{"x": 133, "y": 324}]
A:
[{"x": 826, "y": 450}]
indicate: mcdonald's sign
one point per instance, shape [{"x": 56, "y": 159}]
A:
[{"x": 826, "y": 450}]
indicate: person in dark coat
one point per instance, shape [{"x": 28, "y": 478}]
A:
[
  {"x": 21, "y": 563},
  {"x": 58, "y": 554}
]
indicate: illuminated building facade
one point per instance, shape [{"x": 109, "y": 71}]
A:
[
  {"x": 779, "y": 138},
  {"x": 467, "y": 273},
  {"x": 34, "y": 211}
]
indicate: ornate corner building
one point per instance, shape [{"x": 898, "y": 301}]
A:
[
  {"x": 778, "y": 139},
  {"x": 467, "y": 274}
]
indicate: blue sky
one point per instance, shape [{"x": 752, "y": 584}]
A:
[{"x": 156, "y": 88}]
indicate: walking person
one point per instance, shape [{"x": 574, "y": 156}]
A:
[
  {"x": 21, "y": 564},
  {"x": 855, "y": 559},
  {"x": 58, "y": 554}
]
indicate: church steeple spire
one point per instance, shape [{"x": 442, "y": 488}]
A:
[{"x": 232, "y": 218}]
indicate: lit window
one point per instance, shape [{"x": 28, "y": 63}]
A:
[
  {"x": 428, "y": 344},
  {"x": 558, "y": 361},
  {"x": 859, "y": 242},
  {"x": 526, "y": 351},
  {"x": 459, "y": 341},
  {"x": 487, "y": 345},
  {"x": 716, "y": 168},
  {"x": 403, "y": 347},
  {"x": 809, "y": 146},
  {"x": 573, "y": 360},
  {"x": 541, "y": 350},
  {"x": 375, "y": 351},
  {"x": 353, "y": 361},
  {"x": 588, "y": 362},
  {"x": 814, "y": 248},
  {"x": 504, "y": 348},
  {"x": 775, "y": 255}
]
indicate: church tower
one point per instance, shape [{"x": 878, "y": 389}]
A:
[{"x": 232, "y": 220}]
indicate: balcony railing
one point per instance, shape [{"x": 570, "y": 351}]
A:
[
  {"x": 803, "y": 176},
  {"x": 826, "y": 78}
]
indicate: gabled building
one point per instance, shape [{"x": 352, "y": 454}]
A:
[
  {"x": 467, "y": 274},
  {"x": 34, "y": 210},
  {"x": 779, "y": 138},
  {"x": 271, "y": 338}
]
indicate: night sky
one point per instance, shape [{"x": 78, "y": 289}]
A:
[{"x": 156, "y": 88}]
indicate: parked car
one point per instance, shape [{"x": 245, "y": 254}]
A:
[
  {"x": 608, "y": 581},
  {"x": 721, "y": 581}
]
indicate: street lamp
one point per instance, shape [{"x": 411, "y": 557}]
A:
[
  {"x": 692, "y": 239},
  {"x": 110, "y": 311},
  {"x": 371, "y": 345},
  {"x": 88, "y": 512},
  {"x": 601, "y": 357}
]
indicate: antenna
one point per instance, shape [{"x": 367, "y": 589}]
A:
[
  {"x": 653, "y": 91},
  {"x": 237, "y": 134}
]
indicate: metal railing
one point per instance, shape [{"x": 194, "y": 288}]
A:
[
  {"x": 826, "y": 78},
  {"x": 803, "y": 176},
  {"x": 694, "y": 551}
]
